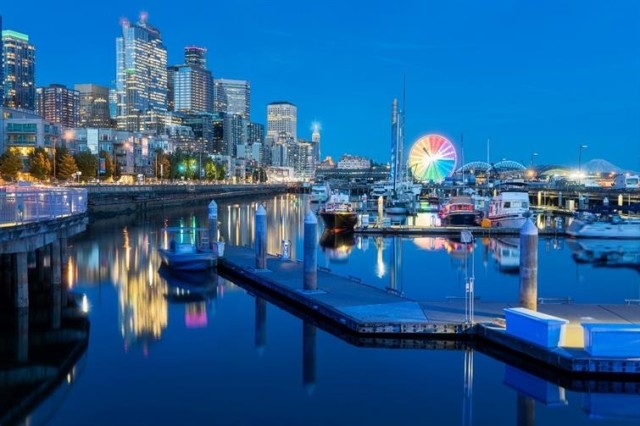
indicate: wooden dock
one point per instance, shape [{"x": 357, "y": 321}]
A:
[{"x": 365, "y": 314}]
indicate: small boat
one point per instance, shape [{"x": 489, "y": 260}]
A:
[
  {"x": 509, "y": 209},
  {"x": 320, "y": 192},
  {"x": 603, "y": 223},
  {"x": 339, "y": 213},
  {"x": 458, "y": 210},
  {"x": 188, "y": 249}
]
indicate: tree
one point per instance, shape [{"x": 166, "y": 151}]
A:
[
  {"x": 10, "y": 165},
  {"x": 40, "y": 164},
  {"x": 66, "y": 166},
  {"x": 109, "y": 166},
  {"x": 87, "y": 165}
]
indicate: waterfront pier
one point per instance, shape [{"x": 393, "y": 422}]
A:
[{"x": 355, "y": 308}]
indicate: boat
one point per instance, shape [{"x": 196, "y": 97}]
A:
[
  {"x": 188, "y": 249},
  {"x": 458, "y": 210},
  {"x": 338, "y": 213},
  {"x": 604, "y": 222},
  {"x": 320, "y": 192},
  {"x": 509, "y": 209}
]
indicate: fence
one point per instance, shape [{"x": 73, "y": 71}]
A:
[{"x": 20, "y": 204}]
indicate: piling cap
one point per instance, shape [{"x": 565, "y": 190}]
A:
[
  {"x": 260, "y": 211},
  {"x": 213, "y": 208},
  {"x": 528, "y": 228},
  {"x": 310, "y": 218}
]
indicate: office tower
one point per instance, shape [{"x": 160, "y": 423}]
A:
[
  {"x": 232, "y": 97},
  {"x": 282, "y": 121},
  {"x": 141, "y": 76},
  {"x": 93, "y": 106},
  {"x": 190, "y": 86},
  {"x": 57, "y": 104},
  {"x": 1, "y": 65},
  {"x": 19, "y": 65}
]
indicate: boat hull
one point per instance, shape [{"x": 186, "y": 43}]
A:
[
  {"x": 515, "y": 221},
  {"x": 339, "y": 221},
  {"x": 465, "y": 219},
  {"x": 196, "y": 261},
  {"x": 581, "y": 229}
]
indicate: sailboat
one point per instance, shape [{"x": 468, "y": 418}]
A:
[{"x": 404, "y": 193}]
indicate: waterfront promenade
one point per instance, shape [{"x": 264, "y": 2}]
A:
[{"x": 379, "y": 317}]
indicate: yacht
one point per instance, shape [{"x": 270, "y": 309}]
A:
[
  {"x": 509, "y": 209},
  {"x": 339, "y": 213},
  {"x": 458, "y": 210},
  {"x": 603, "y": 223}
]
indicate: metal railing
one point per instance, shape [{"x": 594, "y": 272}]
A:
[{"x": 21, "y": 204}]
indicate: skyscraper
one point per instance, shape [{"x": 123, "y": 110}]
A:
[
  {"x": 19, "y": 65},
  {"x": 232, "y": 97},
  {"x": 282, "y": 117},
  {"x": 57, "y": 104},
  {"x": 190, "y": 87},
  {"x": 93, "y": 106},
  {"x": 141, "y": 76},
  {"x": 1, "y": 66}
]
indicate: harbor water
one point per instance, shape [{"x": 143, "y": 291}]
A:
[{"x": 168, "y": 349}]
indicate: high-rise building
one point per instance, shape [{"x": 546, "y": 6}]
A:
[
  {"x": 141, "y": 76},
  {"x": 19, "y": 63},
  {"x": 232, "y": 97},
  {"x": 190, "y": 86},
  {"x": 282, "y": 118},
  {"x": 1, "y": 65},
  {"x": 58, "y": 104},
  {"x": 93, "y": 106}
]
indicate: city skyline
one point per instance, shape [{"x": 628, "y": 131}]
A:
[{"x": 547, "y": 78}]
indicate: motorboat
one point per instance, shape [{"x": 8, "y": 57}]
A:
[
  {"x": 320, "y": 192},
  {"x": 339, "y": 213},
  {"x": 603, "y": 223},
  {"x": 458, "y": 210},
  {"x": 188, "y": 249},
  {"x": 509, "y": 209}
]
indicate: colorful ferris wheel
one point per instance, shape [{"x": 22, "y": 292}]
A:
[{"x": 432, "y": 158}]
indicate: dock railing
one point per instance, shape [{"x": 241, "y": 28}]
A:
[{"x": 21, "y": 204}]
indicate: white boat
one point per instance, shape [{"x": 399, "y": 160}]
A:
[
  {"x": 188, "y": 249},
  {"x": 509, "y": 209},
  {"x": 606, "y": 223},
  {"x": 320, "y": 192}
]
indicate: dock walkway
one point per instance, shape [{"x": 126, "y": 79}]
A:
[{"x": 365, "y": 310}]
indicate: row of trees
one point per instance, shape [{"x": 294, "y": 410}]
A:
[
  {"x": 41, "y": 166},
  {"x": 175, "y": 166}
]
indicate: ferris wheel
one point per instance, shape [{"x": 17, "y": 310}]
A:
[{"x": 432, "y": 158}]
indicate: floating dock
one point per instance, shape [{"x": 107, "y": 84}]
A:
[{"x": 352, "y": 307}]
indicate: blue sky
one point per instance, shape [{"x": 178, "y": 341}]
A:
[{"x": 530, "y": 76}]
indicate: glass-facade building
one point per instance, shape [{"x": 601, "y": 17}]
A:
[
  {"x": 93, "y": 106},
  {"x": 141, "y": 76},
  {"x": 19, "y": 68},
  {"x": 1, "y": 65},
  {"x": 58, "y": 104},
  {"x": 232, "y": 97},
  {"x": 190, "y": 85}
]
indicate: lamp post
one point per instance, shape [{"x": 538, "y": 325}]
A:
[{"x": 580, "y": 163}]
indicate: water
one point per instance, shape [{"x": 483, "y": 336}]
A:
[{"x": 224, "y": 357}]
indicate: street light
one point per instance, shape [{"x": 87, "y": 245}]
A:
[{"x": 580, "y": 163}]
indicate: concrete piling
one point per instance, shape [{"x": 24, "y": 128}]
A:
[
  {"x": 261, "y": 237},
  {"x": 309, "y": 357},
  {"x": 529, "y": 266},
  {"x": 310, "y": 271},
  {"x": 22, "y": 281}
]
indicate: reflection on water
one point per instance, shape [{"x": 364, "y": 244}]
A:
[
  {"x": 610, "y": 253},
  {"x": 252, "y": 341},
  {"x": 337, "y": 245},
  {"x": 506, "y": 252}
]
